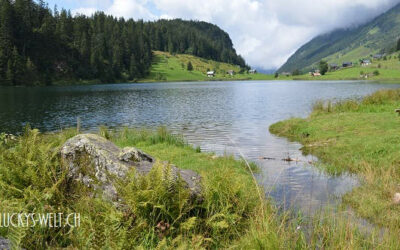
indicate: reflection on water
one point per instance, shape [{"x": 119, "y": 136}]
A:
[{"x": 223, "y": 117}]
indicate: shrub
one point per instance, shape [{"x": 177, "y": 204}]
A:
[{"x": 189, "y": 66}]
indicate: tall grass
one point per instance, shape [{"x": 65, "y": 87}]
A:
[
  {"x": 156, "y": 212},
  {"x": 380, "y": 99}
]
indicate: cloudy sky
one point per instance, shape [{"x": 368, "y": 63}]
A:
[{"x": 264, "y": 32}]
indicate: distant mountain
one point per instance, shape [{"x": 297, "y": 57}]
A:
[
  {"x": 342, "y": 45},
  {"x": 266, "y": 71}
]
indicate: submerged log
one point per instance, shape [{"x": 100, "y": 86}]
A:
[{"x": 107, "y": 161}]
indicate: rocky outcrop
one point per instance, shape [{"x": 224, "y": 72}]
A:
[
  {"x": 4, "y": 244},
  {"x": 95, "y": 161}
]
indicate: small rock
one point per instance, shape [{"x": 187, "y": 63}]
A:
[
  {"x": 396, "y": 198},
  {"x": 130, "y": 154}
]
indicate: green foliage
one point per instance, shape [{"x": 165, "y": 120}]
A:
[
  {"x": 323, "y": 67},
  {"x": 189, "y": 66},
  {"x": 296, "y": 72},
  {"x": 376, "y": 73}
]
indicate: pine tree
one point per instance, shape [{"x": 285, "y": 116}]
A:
[
  {"x": 133, "y": 72},
  {"x": 189, "y": 66},
  {"x": 31, "y": 72}
]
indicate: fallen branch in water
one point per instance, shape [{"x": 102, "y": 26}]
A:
[{"x": 288, "y": 159}]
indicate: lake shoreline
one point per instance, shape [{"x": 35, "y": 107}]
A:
[
  {"x": 389, "y": 81},
  {"x": 252, "y": 222},
  {"x": 342, "y": 136}
]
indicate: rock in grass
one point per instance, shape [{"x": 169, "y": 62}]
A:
[
  {"x": 4, "y": 244},
  {"x": 396, "y": 199},
  {"x": 95, "y": 161}
]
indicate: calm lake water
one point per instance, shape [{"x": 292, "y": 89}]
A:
[{"x": 222, "y": 117}]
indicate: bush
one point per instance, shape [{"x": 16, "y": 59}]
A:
[
  {"x": 323, "y": 67},
  {"x": 376, "y": 73},
  {"x": 190, "y": 66}
]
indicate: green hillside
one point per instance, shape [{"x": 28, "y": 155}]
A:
[
  {"x": 385, "y": 69},
  {"x": 168, "y": 67},
  {"x": 377, "y": 36}
]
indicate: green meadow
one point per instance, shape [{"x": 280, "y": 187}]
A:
[
  {"x": 172, "y": 68},
  {"x": 379, "y": 70}
]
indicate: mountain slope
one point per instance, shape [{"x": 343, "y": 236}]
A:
[{"x": 349, "y": 44}]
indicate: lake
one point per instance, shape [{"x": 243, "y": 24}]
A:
[{"x": 222, "y": 117}]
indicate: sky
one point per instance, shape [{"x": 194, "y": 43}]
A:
[{"x": 265, "y": 32}]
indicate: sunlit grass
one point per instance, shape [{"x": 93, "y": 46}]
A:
[{"x": 167, "y": 67}]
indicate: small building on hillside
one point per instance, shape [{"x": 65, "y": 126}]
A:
[
  {"x": 231, "y": 72},
  {"x": 333, "y": 66},
  {"x": 365, "y": 62},
  {"x": 378, "y": 56},
  {"x": 347, "y": 64},
  {"x": 252, "y": 71},
  {"x": 210, "y": 73},
  {"x": 315, "y": 72},
  {"x": 286, "y": 74}
]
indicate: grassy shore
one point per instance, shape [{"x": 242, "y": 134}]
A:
[
  {"x": 233, "y": 214},
  {"x": 360, "y": 137},
  {"x": 32, "y": 179}
]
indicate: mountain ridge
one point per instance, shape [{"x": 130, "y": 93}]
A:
[{"x": 351, "y": 44}]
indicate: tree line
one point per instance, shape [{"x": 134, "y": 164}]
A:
[{"x": 39, "y": 45}]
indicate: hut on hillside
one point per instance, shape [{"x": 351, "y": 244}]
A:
[{"x": 211, "y": 73}]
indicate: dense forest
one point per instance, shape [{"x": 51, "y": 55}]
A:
[{"x": 39, "y": 45}]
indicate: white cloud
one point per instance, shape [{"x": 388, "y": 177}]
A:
[
  {"x": 84, "y": 11},
  {"x": 131, "y": 9},
  {"x": 265, "y": 32}
]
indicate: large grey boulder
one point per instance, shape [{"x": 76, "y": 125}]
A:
[{"x": 104, "y": 161}]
